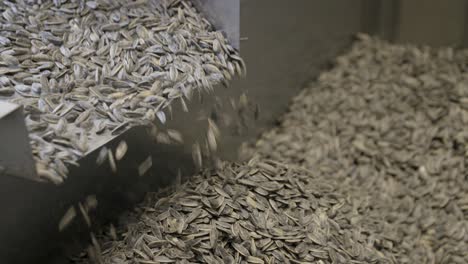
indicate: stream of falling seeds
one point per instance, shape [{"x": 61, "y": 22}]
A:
[
  {"x": 90, "y": 69},
  {"x": 368, "y": 166}
]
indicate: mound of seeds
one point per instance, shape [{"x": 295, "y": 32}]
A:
[
  {"x": 381, "y": 140},
  {"x": 88, "y": 70},
  {"x": 389, "y": 123},
  {"x": 259, "y": 212}
]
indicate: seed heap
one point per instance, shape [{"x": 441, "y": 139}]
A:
[
  {"x": 259, "y": 212},
  {"x": 85, "y": 70},
  {"x": 381, "y": 141},
  {"x": 389, "y": 123}
]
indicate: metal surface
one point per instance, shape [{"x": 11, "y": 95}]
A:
[
  {"x": 380, "y": 17},
  {"x": 15, "y": 155},
  {"x": 224, "y": 15},
  {"x": 423, "y": 22},
  {"x": 432, "y": 22},
  {"x": 287, "y": 45}
]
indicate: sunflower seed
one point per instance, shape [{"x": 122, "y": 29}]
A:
[
  {"x": 121, "y": 150},
  {"x": 67, "y": 218},
  {"x": 112, "y": 164},
  {"x": 145, "y": 166}
]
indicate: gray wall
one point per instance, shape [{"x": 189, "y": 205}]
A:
[
  {"x": 288, "y": 43},
  {"x": 425, "y": 22},
  {"x": 435, "y": 22}
]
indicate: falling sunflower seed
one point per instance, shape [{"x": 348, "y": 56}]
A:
[
  {"x": 67, "y": 218},
  {"x": 145, "y": 166},
  {"x": 121, "y": 150},
  {"x": 112, "y": 164}
]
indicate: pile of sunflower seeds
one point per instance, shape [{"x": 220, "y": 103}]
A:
[
  {"x": 259, "y": 212},
  {"x": 380, "y": 145},
  {"x": 389, "y": 123},
  {"x": 88, "y": 70}
]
